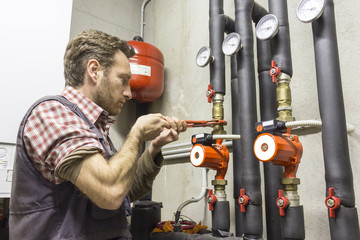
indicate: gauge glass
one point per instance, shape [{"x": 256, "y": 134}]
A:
[
  {"x": 267, "y": 27},
  {"x": 231, "y": 44},
  {"x": 203, "y": 57},
  {"x": 309, "y": 10}
]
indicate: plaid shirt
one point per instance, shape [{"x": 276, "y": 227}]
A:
[{"x": 53, "y": 131}]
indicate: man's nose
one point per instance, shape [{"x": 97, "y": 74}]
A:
[{"x": 127, "y": 92}]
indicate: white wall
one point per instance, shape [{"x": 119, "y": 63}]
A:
[
  {"x": 179, "y": 29},
  {"x": 33, "y": 37}
]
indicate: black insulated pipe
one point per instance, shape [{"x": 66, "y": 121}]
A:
[
  {"x": 281, "y": 53},
  {"x": 338, "y": 173},
  {"x": 217, "y": 29},
  {"x": 251, "y": 220},
  {"x": 229, "y": 25},
  {"x": 235, "y": 110},
  {"x": 292, "y": 224},
  {"x": 268, "y": 111},
  {"x": 280, "y": 44},
  {"x": 221, "y": 216}
]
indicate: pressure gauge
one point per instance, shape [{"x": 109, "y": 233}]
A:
[
  {"x": 267, "y": 27},
  {"x": 310, "y": 10},
  {"x": 204, "y": 57},
  {"x": 231, "y": 44}
]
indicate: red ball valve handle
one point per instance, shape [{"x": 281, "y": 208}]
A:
[
  {"x": 211, "y": 200},
  {"x": 282, "y": 202},
  {"x": 332, "y": 202},
  {"x": 274, "y": 71},
  {"x": 243, "y": 200}
]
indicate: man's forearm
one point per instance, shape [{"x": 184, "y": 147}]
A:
[{"x": 107, "y": 183}]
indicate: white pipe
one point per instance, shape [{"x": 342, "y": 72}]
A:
[
  {"x": 176, "y": 151},
  {"x": 177, "y": 145},
  {"x": 204, "y": 187},
  {"x": 177, "y": 156},
  {"x": 142, "y": 21},
  {"x": 314, "y": 123},
  {"x": 184, "y": 152},
  {"x": 226, "y": 136}
]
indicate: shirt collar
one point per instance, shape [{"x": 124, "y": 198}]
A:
[{"x": 91, "y": 110}]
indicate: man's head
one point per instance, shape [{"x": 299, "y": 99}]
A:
[
  {"x": 97, "y": 65},
  {"x": 91, "y": 44}
]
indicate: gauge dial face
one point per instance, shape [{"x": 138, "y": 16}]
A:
[
  {"x": 231, "y": 44},
  {"x": 309, "y": 10},
  {"x": 267, "y": 27},
  {"x": 203, "y": 57}
]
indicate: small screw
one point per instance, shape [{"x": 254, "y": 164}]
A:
[
  {"x": 241, "y": 200},
  {"x": 210, "y": 199},
  {"x": 273, "y": 71},
  {"x": 330, "y": 202},
  {"x": 280, "y": 202},
  {"x": 264, "y": 147}
]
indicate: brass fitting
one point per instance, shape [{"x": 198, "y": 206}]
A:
[
  {"x": 219, "y": 186},
  {"x": 290, "y": 190},
  {"x": 283, "y": 98},
  {"x": 218, "y": 112}
]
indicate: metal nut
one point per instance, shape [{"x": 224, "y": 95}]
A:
[
  {"x": 280, "y": 202},
  {"x": 330, "y": 202},
  {"x": 241, "y": 200}
]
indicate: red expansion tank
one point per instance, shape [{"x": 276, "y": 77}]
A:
[{"x": 147, "y": 68}]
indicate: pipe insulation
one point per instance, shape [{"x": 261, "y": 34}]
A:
[
  {"x": 338, "y": 172},
  {"x": 217, "y": 29},
  {"x": 268, "y": 111},
  {"x": 247, "y": 166},
  {"x": 280, "y": 44}
]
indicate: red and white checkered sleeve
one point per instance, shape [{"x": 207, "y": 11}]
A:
[{"x": 52, "y": 132}]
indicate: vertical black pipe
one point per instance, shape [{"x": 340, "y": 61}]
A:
[
  {"x": 235, "y": 110},
  {"x": 281, "y": 53},
  {"x": 217, "y": 29},
  {"x": 268, "y": 106},
  {"x": 220, "y": 216},
  {"x": 250, "y": 173},
  {"x": 280, "y": 44},
  {"x": 338, "y": 173}
]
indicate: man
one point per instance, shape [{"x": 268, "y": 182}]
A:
[{"x": 68, "y": 182}]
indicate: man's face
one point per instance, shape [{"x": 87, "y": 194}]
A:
[{"x": 114, "y": 89}]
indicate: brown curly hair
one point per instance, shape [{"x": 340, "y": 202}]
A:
[{"x": 91, "y": 44}]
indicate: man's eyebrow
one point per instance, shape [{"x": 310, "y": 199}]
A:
[{"x": 125, "y": 76}]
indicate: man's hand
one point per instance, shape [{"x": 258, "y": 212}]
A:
[
  {"x": 168, "y": 135},
  {"x": 150, "y": 126}
]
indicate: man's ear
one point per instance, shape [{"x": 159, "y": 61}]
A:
[{"x": 93, "y": 70}]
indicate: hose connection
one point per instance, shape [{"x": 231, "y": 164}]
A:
[{"x": 332, "y": 202}]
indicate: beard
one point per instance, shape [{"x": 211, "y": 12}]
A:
[{"x": 106, "y": 99}]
